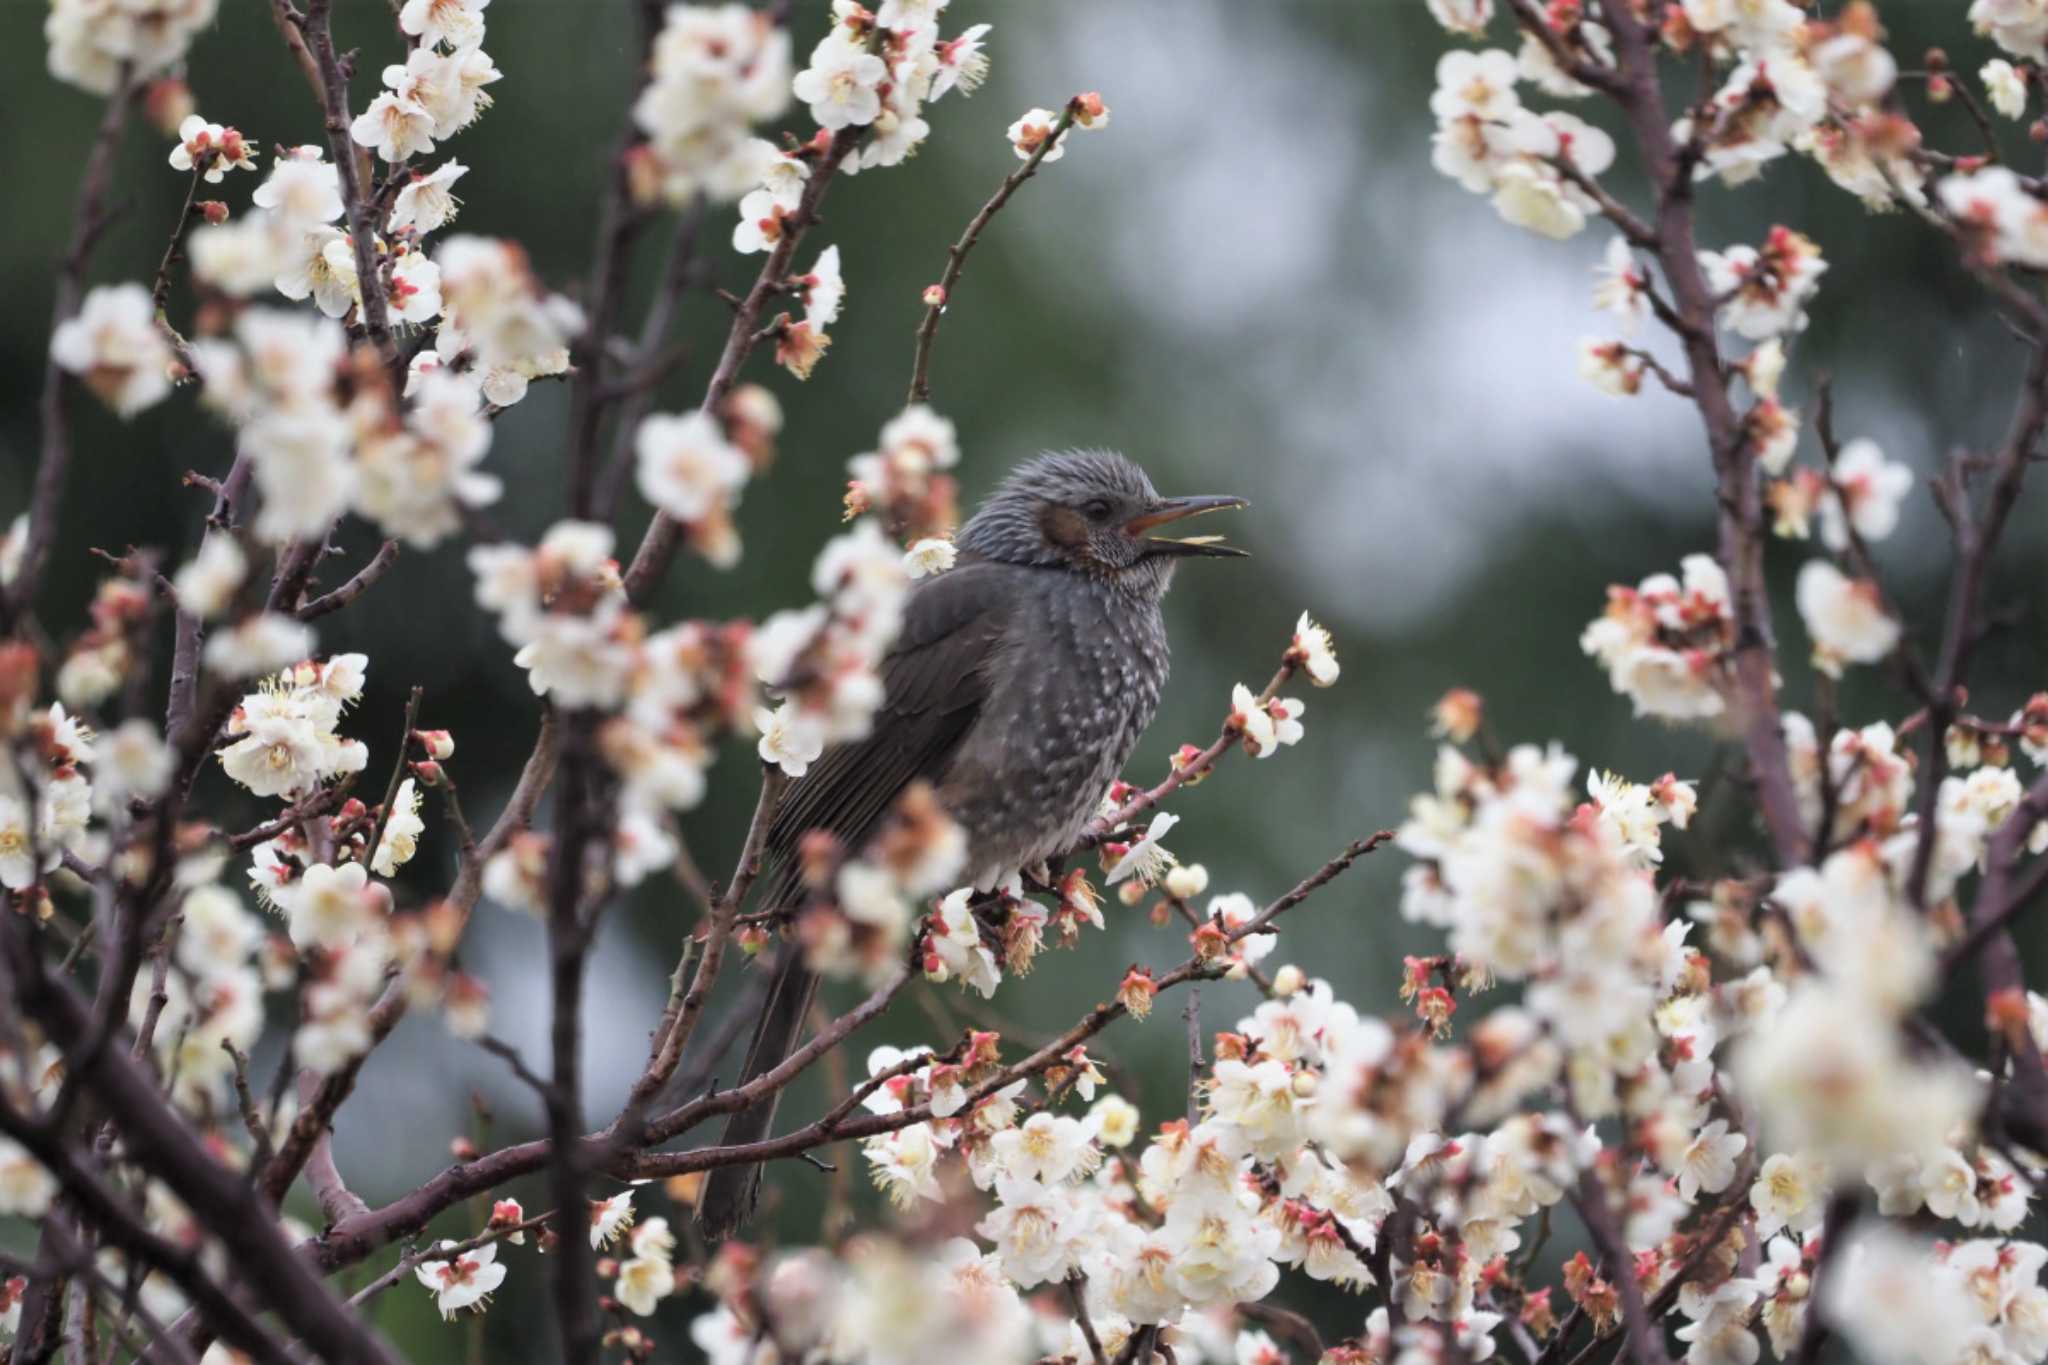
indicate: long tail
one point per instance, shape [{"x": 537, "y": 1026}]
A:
[{"x": 730, "y": 1192}]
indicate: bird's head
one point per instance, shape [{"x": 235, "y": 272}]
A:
[{"x": 1091, "y": 512}]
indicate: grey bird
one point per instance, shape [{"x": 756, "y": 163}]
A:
[{"x": 1017, "y": 688}]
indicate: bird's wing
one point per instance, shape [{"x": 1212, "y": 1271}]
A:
[{"x": 934, "y": 681}]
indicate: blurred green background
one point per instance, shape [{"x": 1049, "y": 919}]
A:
[{"x": 1252, "y": 282}]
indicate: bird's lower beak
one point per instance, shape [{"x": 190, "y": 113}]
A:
[{"x": 1179, "y": 509}]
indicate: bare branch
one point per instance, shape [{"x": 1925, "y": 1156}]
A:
[
  {"x": 54, "y": 462},
  {"x": 956, "y": 254}
]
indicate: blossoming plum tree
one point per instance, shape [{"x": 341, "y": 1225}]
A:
[{"x": 1733, "y": 1082}]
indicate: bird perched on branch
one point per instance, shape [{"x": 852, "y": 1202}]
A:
[{"x": 1017, "y": 688}]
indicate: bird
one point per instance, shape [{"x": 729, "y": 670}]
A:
[{"x": 1017, "y": 687}]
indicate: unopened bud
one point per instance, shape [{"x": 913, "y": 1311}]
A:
[
  {"x": 1457, "y": 715},
  {"x": 168, "y": 104},
  {"x": 439, "y": 744},
  {"x": 428, "y": 772},
  {"x": 1940, "y": 90},
  {"x": 935, "y": 296},
  {"x": 643, "y": 176},
  {"x": 1187, "y": 881},
  {"x": 857, "y": 500},
  {"x": 462, "y": 1148},
  {"x": 214, "y": 211},
  {"x": 1288, "y": 980},
  {"x": 1303, "y": 1083}
]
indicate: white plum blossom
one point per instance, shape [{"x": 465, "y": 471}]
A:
[
  {"x": 303, "y": 190},
  {"x": 1034, "y": 133},
  {"x": 113, "y": 347},
  {"x": 931, "y": 555},
  {"x": 258, "y": 644},
  {"x": 393, "y": 127},
  {"x": 1146, "y": 860},
  {"x": 2005, "y": 87},
  {"x": 1864, "y": 492},
  {"x": 842, "y": 83},
  {"x": 685, "y": 465},
  {"x": 2018, "y": 26},
  {"x": 1845, "y": 617},
  {"x": 461, "y": 1280},
  {"x": 1662, "y": 642},
  {"x": 455, "y": 23},
  {"x": 1315, "y": 651},
  {"x": 1997, "y": 208},
  {"x": 210, "y": 151},
  {"x": 790, "y": 739},
  {"x": 207, "y": 582},
  {"x": 427, "y": 203},
  {"x": 1765, "y": 290}
]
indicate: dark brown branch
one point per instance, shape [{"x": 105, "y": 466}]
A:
[
  {"x": 652, "y": 359},
  {"x": 1077, "y": 1287},
  {"x": 117, "y": 1225},
  {"x": 685, "y": 1007},
  {"x": 46, "y": 498},
  {"x": 618, "y": 222},
  {"x": 426, "y": 1256},
  {"x": 156, "y": 1135},
  {"x": 1635, "y": 86},
  {"x": 349, "y": 1242},
  {"x": 581, "y": 830},
  {"x": 355, "y": 195},
  {"x": 664, "y": 535},
  {"x": 397, "y": 778},
  {"x": 1645, "y": 1338},
  {"x": 956, "y": 254},
  {"x": 363, "y": 580},
  {"x": 1193, "y": 770},
  {"x": 314, "y": 1118}
]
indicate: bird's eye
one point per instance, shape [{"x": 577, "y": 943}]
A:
[{"x": 1096, "y": 509}]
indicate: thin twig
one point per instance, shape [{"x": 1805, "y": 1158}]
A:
[{"x": 956, "y": 254}]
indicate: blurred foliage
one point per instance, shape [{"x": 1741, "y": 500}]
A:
[{"x": 1229, "y": 284}]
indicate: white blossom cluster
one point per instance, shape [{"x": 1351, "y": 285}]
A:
[
  {"x": 92, "y": 41},
  {"x": 717, "y": 70},
  {"x": 46, "y": 795}
]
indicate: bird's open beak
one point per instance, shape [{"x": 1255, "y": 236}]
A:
[{"x": 1179, "y": 509}]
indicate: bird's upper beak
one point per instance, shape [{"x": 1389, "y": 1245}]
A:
[{"x": 1178, "y": 509}]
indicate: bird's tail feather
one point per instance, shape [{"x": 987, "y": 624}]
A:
[{"x": 730, "y": 1192}]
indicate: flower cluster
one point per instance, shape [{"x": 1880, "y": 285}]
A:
[
  {"x": 439, "y": 90},
  {"x": 46, "y": 796},
  {"x": 1532, "y": 164},
  {"x": 1664, "y": 643},
  {"x": 904, "y": 479},
  {"x": 93, "y": 42},
  {"x": 717, "y": 70}
]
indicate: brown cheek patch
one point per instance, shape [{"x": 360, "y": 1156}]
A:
[{"x": 1063, "y": 526}]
